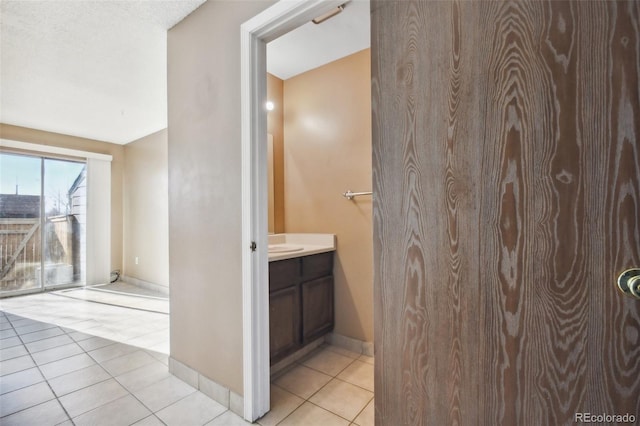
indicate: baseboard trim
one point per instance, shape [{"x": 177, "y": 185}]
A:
[
  {"x": 145, "y": 284},
  {"x": 280, "y": 366},
  {"x": 212, "y": 389},
  {"x": 350, "y": 344}
]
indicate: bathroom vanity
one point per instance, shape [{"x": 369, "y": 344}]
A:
[{"x": 300, "y": 292}]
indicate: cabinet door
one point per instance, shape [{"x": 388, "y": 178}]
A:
[
  {"x": 284, "y": 322},
  {"x": 317, "y": 308}
]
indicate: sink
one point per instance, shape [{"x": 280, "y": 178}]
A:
[{"x": 284, "y": 248}]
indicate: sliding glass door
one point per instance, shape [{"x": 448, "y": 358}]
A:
[
  {"x": 20, "y": 232},
  {"x": 42, "y": 223},
  {"x": 64, "y": 195}
]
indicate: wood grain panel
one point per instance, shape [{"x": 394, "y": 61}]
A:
[
  {"x": 507, "y": 200},
  {"x": 620, "y": 338}
]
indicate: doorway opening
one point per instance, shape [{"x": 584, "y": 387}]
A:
[{"x": 256, "y": 33}]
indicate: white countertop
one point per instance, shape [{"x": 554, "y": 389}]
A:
[{"x": 288, "y": 246}]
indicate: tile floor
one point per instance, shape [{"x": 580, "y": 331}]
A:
[
  {"x": 52, "y": 375},
  {"x": 148, "y": 330},
  {"x": 331, "y": 386},
  {"x": 65, "y": 361}
]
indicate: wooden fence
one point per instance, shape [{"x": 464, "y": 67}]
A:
[{"x": 21, "y": 249}]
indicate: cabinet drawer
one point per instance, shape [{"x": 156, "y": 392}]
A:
[
  {"x": 284, "y": 273},
  {"x": 317, "y": 265}
]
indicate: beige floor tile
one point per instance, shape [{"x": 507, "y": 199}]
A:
[
  {"x": 10, "y": 342},
  {"x": 67, "y": 365},
  {"x": 367, "y": 359},
  {"x": 112, "y": 351},
  {"x": 149, "y": 421},
  {"x": 328, "y": 362},
  {"x": 366, "y": 417},
  {"x": 144, "y": 376},
  {"x": 24, "y": 398},
  {"x": 48, "y": 343},
  {"x": 93, "y": 342},
  {"x": 344, "y": 352},
  {"x": 228, "y": 418},
  {"x": 39, "y": 335},
  {"x": 163, "y": 358},
  {"x": 123, "y": 411},
  {"x": 342, "y": 398},
  {"x": 19, "y": 380},
  {"x": 39, "y": 326},
  {"x": 195, "y": 409},
  {"x": 79, "y": 336},
  {"x": 4, "y": 334},
  {"x": 46, "y": 414},
  {"x": 57, "y": 353},
  {"x": 128, "y": 362},
  {"x": 358, "y": 373},
  {"x": 162, "y": 347},
  {"x": 283, "y": 403},
  {"x": 163, "y": 393},
  {"x": 309, "y": 414},
  {"x": 89, "y": 398},
  {"x": 16, "y": 364},
  {"x": 303, "y": 381},
  {"x": 22, "y": 322},
  {"x": 12, "y": 352},
  {"x": 78, "y": 379}
]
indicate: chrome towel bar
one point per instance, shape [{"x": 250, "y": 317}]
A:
[{"x": 349, "y": 194}]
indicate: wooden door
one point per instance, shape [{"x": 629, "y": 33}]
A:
[{"x": 506, "y": 202}]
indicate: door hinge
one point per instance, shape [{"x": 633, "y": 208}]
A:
[{"x": 253, "y": 246}]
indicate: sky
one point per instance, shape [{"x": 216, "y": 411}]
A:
[{"x": 24, "y": 171}]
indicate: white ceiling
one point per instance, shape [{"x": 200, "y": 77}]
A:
[
  {"x": 311, "y": 45},
  {"x": 97, "y": 68}
]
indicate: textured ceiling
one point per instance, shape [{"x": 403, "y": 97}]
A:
[
  {"x": 98, "y": 68},
  {"x": 95, "y": 69}
]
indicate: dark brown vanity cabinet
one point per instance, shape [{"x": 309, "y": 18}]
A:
[
  {"x": 300, "y": 302},
  {"x": 317, "y": 308},
  {"x": 284, "y": 321}
]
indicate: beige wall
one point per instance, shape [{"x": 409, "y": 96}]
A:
[
  {"x": 24, "y": 134},
  {"x": 146, "y": 216},
  {"x": 275, "y": 128},
  {"x": 204, "y": 189},
  {"x": 327, "y": 134}
]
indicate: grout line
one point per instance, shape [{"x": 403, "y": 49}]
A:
[
  {"x": 311, "y": 355},
  {"x": 45, "y": 381},
  {"x": 96, "y": 363},
  {"x": 363, "y": 408}
]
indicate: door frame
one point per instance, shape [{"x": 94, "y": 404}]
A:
[{"x": 273, "y": 22}]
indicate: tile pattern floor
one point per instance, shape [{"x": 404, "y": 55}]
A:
[
  {"x": 51, "y": 375},
  {"x": 331, "y": 386},
  {"x": 148, "y": 330},
  {"x": 65, "y": 361}
]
